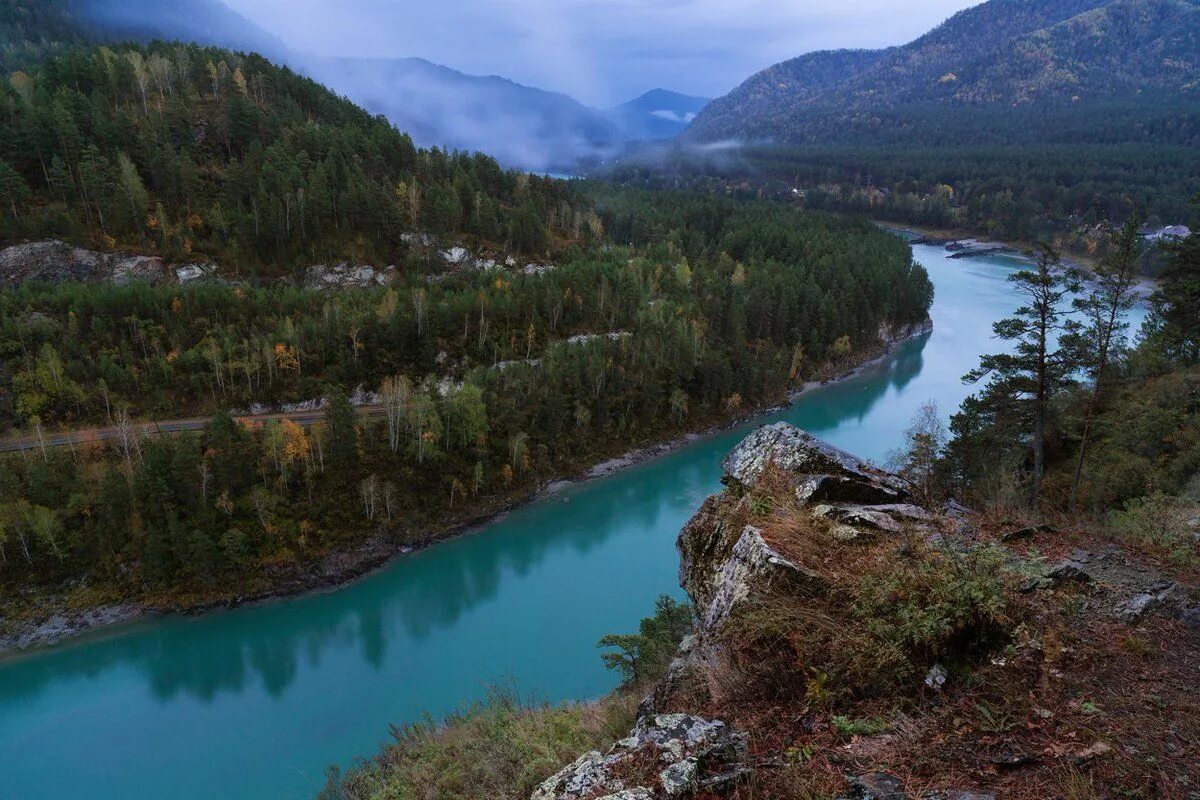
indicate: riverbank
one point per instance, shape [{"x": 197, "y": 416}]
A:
[
  {"x": 44, "y": 620},
  {"x": 978, "y": 248},
  {"x": 947, "y": 236}
]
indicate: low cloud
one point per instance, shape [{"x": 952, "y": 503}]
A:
[{"x": 600, "y": 51}]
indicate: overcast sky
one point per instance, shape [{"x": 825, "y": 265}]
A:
[{"x": 600, "y": 51}]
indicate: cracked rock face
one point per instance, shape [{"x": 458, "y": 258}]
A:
[
  {"x": 823, "y": 472},
  {"x": 691, "y": 750},
  {"x": 54, "y": 261},
  {"x": 752, "y": 564},
  {"x": 720, "y": 567}
]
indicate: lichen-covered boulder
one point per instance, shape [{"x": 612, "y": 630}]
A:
[
  {"x": 823, "y": 473},
  {"x": 691, "y": 752},
  {"x": 588, "y": 774},
  {"x": 752, "y": 565},
  {"x": 636, "y": 793}
]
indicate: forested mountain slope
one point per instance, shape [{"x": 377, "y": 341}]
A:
[
  {"x": 187, "y": 151},
  {"x": 1016, "y": 119},
  {"x": 1003, "y": 53},
  {"x": 438, "y": 106},
  {"x": 31, "y": 30}
]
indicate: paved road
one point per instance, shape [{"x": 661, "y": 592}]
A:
[{"x": 14, "y": 444}]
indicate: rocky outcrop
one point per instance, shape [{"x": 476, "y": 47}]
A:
[
  {"x": 53, "y": 261},
  {"x": 825, "y": 508},
  {"x": 718, "y": 565},
  {"x": 823, "y": 473},
  {"x": 1122, "y": 590},
  {"x": 752, "y": 564},
  {"x": 346, "y": 276},
  {"x": 723, "y": 566},
  {"x": 666, "y": 755}
]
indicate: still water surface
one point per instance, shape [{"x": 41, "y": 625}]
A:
[{"x": 253, "y": 703}]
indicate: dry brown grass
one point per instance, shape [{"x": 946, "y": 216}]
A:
[{"x": 1054, "y": 701}]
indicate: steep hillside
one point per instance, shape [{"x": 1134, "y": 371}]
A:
[
  {"x": 765, "y": 101},
  {"x": 1004, "y": 53},
  {"x": 520, "y": 125},
  {"x": 657, "y": 114},
  {"x": 186, "y": 151},
  {"x": 32, "y": 30},
  {"x": 207, "y": 22}
]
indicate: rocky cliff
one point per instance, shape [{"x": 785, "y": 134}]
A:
[
  {"x": 54, "y": 261},
  {"x": 850, "y": 643}
]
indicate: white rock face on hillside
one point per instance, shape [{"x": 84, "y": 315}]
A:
[{"x": 53, "y": 261}]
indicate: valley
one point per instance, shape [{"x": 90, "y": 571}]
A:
[
  {"x": 391, "y": 409},
  {"x": 430, "y": 629}
]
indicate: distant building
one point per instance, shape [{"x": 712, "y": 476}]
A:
[{"x": 1169, "y": 232}]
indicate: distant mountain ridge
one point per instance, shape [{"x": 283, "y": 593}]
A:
[
  {"x": 208, "y": 22},
  {"x": 1003, "y": 53},
  {"x": 438, "y": 106},
  {"x": 657, "y": 114}
]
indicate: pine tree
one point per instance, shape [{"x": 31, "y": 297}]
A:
[
  {"x": 1039, "y": 366},
  {"x": 1104, "y": 309},
  {"x": 1175, "y": 322}
]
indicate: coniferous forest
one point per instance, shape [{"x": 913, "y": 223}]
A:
[{"x": 652, "y": 313}]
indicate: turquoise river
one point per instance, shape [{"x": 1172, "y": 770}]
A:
[{"x": 254, "y": 703}]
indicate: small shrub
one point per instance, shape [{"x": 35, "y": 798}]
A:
[
  {"x": 1162, "y": 524},
  {"x": 994, "y": 720},
  {"x": 886, "y": 617},
  {"x": 858, "y": 727},
  {"x": 936, "y": 606}
]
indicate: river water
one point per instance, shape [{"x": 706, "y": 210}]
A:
[{"x": 253, "y": 703}]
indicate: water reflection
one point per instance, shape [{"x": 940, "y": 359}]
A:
[{"x": 426, "y": 592}]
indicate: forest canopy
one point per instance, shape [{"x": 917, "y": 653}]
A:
[{"x": 184, "y": 150}]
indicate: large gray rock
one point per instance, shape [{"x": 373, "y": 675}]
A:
[
  {"x": 822, "y": 473},
  {"x": 638, "y": 793},
  {"x": 53, "y": 261},
  {"x": 752, "y": 566},
  {"x": 346, "y": 276},
  {"x": 877, "y": 786},
  {"x": 688, "y": 748}
]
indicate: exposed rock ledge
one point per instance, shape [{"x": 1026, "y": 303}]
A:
[
  {"x": 54, "y": 261},
  {"x": 723, "y": 566},
  {"x": 721, "y": 569}
]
